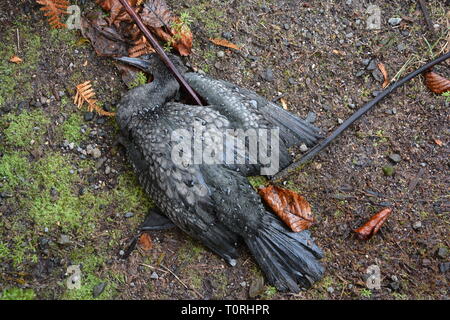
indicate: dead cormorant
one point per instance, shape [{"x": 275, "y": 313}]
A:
[{"x": 214, "y": 202}]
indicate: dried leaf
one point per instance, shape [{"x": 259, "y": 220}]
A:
[
  {"x": 224, "y": 43},
  {"x": 54, "y": 9},
  {"x": 156, "y": 13},
  {"x": 438, "y": 142},
  {"x": 85, "y": 94},
  {"x": 16, "y": 60},
  {"x": 385, "y": 74},
  {"x": 373, "y": 225},
  {"x": 117, "y": 11},
  {"x": 436, "y": 83},
  {"x": 145, "y": 242},
  {"x": 105, "y": 39},
  {"x": 141, "y": 47},
  {"x": 291, "y": 207}
]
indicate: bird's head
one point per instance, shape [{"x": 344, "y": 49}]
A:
[{"x": 152, "y": 64}]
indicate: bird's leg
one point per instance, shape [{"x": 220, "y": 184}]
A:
[{"x": 154, "y": 221}]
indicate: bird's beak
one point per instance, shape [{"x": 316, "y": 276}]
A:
[{"x": 135, "y": 62}]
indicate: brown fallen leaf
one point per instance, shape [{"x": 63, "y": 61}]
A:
[
  {"x": 291, "y": 207},
  {"x": 372, "y": 226},
  {"x": 385, "y": 75},
  {"x": 438, "y": 142},
  {"x": 436, "y": 83},
  {"x": 156, "y": 13},
  {"x": 15, "y": 59},
  {"x": 224, "y": 43},
  {"x": 145, "y": 242}
]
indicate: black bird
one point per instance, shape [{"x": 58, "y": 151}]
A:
[{"x": 215, "y": 203}]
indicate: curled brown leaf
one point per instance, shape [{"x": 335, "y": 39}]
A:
[
  {"x": 224, "y": 43},
  {"x": 372, "y": 226},
  {"x": 292, "y": 208},
  {"x": 436, "y": 83},
  {"x": 383, "y": 70}
]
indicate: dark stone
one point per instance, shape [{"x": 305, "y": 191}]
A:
[
  {"x": 88, "y": 116},
  {"x": 98, "y": 289},
  {"x": 268, "y": 75},
  {"x": 101, "y": 120},
  {"x": 394, "y": 157},
  {"x": 394, "y": 286},
  {"x": 372, "y": 65},
  {"x": 442, "y": 253},
  {"x": 311, "y": 117},
  {"x": 444, "y": 267}
]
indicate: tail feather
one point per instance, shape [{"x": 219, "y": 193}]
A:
[
  {"x": 292, "y": 128},
  {"x": 289, "y": 260}
]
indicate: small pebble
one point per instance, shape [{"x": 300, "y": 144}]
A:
[
  {"x": 220, "y": 54},
  {"x": 395, "y": 157},
  {"x": 129, "y": 214},
  {"x": 303, "y": 148},
  {"x": 154, "y": 276},
  {"x": 417, "y": 225},
  {"x": 442, "y": 252},
  {"x": 394, "y": 21}
]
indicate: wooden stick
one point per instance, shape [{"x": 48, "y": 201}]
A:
[{"x": 160, "y": 51}]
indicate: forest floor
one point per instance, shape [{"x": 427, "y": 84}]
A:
[{"x": 60, "y": 206}]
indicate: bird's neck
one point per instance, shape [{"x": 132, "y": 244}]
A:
[{"x": 145, "y": 99}]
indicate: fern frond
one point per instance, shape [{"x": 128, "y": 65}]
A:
[
  {"x": 85, "y": 94},
  {"x": 141, "y": 47},
  {"x": 53, "y": 10}
]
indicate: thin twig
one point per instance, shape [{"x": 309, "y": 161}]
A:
[
  {"x": 18, "y": 40},
  {"x": 160, "y": 51},
  {"x": 167, "y": 270},
  {"x": 176, "y": 277},
  {"x": 426, "y": 15}
]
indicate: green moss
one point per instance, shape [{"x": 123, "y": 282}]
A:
[
  {"x": 63, "y": 35},
  {"x": 258, "y": 181},
  {"x": 15, "y": 76},
  {"x": 17, "y": 294},
  {"x": 4, "y": 251},
  {"x": 72, "y": 128},
  {"x": 24, "y": 128},
  {"x": 209, "y": 15},
  {"x": 130, "y": 196},
  {"x": 269, "y": 293},
  {"x": 138, "y": 80},
  {"x": 24, "y": 250},
  {"x": 91, "y": 276},
  {"x": 14, "y": 170},
  {"x": 190, "y": 252},
  {"x": 366, "y": 293}
]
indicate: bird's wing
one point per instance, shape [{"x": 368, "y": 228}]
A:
[
  {"x": 177, "y": 186},
  {"x": 252, "y": 110}
]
